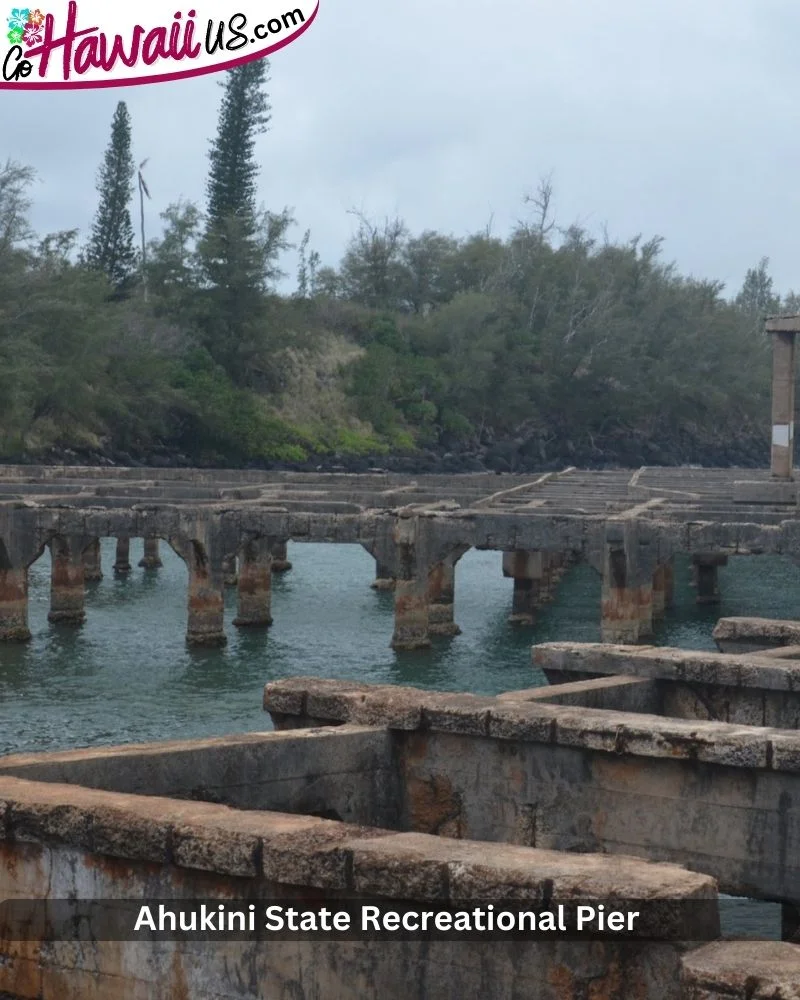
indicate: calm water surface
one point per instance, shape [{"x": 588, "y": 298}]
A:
[{"x": 127, "y": 674}]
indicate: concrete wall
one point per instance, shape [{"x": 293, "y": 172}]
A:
[
  {"x": 348, "y": 773},
  {"x": 720, "y": 798},
  {"x": 751, "y": 689},
  {"x": 62, "y": 841}
]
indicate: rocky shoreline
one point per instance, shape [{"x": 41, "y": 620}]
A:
[{"x": 501, "y": 457}]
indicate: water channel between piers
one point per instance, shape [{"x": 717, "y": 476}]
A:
[{"x": 127, "y": 674}]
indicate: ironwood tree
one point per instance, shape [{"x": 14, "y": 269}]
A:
[
  {"x": 240, "y": 244},
  {"x": 111, "y": 248}
]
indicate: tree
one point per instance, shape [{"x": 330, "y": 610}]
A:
[
  {"x": 172, "y": 261},
  {"x": 372, "y": 271},
  {"x": 111, "y": 248},
  {"x": 756, "y": 298},
  {"x": 240, "y": 245}
]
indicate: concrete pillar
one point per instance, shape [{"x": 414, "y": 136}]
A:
[
  {"x": 92, "y": 562},
  {"x": 659, "y": 593},
  {"x": 122, "y": 563},
  {"x": 384, "y": 577},
  {"x": 627, "y": 592},
  {"x": 646, "y": 618},
  {"x": 151, "y": 558},
  {"x": 411, "y": 626},
  {"x": 552, "y": 572},
  {"x": 383, "y": 550},
  {"x": 527, "y": 569},
  {"x": 411, "y": 629},
  {"x": 14, "y": 605},
  {"x": 783, "y": 330},
  {"x": 441, "y": 597},
  {"x": 706, "y": 566},
  {"x": 206, "y": 624},
  {"x": 669, "y": 583},
  {"x": 280, "y": 561},
  {"x": 66, "y": 581},
  {"x": 255, "y": 584},
  {"x": 229, "y": 571}
]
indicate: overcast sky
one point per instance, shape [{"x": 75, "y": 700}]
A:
[{"x": 678, "y": 119}]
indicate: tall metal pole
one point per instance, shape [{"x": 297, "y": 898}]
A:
[{"x": 142, "y": 192}]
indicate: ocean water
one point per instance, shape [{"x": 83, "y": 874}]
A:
[{"x": 127, "y": 674}]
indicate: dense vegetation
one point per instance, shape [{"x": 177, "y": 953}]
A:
[{"x": 543, "y": 347}]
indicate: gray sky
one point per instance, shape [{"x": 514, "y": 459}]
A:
[{"x": 675, "y": 119}]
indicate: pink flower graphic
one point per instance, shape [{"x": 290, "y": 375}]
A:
[{"x": 33, "y": 34}]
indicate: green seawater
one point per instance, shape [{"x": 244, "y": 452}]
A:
[{"x": 126, "y": 675}]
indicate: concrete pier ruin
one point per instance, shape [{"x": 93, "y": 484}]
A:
[
  {"x": 395, "y": 794},
  {"x": 628, "y": 527}
]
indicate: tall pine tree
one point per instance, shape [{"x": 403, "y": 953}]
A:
[
  {"x": 240, "y": 244},
  {"x": 111, "y": 248}
]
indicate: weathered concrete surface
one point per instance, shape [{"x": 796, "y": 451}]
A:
[
  {"x": 706, "y": 567},
  {"x": 623, "y": 525},
  {"x": 280, "y": 557},
  {"x": 14, "y": 605},
  {"x": 742, "y": 970},
  {"x": 620, "y": 694},
  {"x": 724, "y": 669},
  {"x": 62, "y": 841},
  {"x": 92, "y": 562},
  {"x": 347, "y": 772},
  {"x": 749, "y": 689},
  {"x": 229, "y": 571},
  {"x": 441, "y": 596},
  {"x": 255, "y": 584},
  {"x": 784, "y": 330},
  {"x": 151, "y": 558},
  {"x": 722, "y": 799},
  {"x": 527, "y": 571},
  {"x": 782, "y": 653},
  {"x": 67, "y": 580},
  {"x": 122, "y": 561},
  {"x": 745, "y": 635}
]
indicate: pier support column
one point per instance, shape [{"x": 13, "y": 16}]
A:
[
  {"x": 527, "y": 569},
  {"x": 706, "y": 568},
  {"x": 382, "y": 550},
  {"x": 206, "y": 624},
  {"x": 669, "y": 583},
  {"x": 784, "y": 330},
  {"x": 627, "y": 594},
  {"x": 659, "y": 593},
  {"x": 14, "y": 605},
  {"x": 229, "y": 571},
  {"x": 411, "y": 629},
  {"x": 255, "y": 584},
  {"x": 280, "y": 561},
  {"x": 441, "y": 596},
  {"x": 92, "y": 562},
  {"x": 151, "y": 558},
  {"x": 67, "y": 581},
  {"x": 122, "y": 563},
  {"x": 411, "y": 626},
  {"x": 384, "y": 577}
]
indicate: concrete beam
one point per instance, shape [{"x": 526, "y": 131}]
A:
[{"x": 745, "y": 635}]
